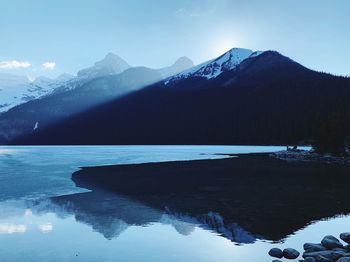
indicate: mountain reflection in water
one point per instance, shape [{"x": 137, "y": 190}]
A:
[
  {"x": 242, "y": 199},
  {"x": 110, "y": 214}
]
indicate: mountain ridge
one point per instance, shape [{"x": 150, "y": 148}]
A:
[
  {"x": 77, "y": 94},
  {"x": 16, "y": 89},
  {"x": 213, "y": 68},
  {"x": 267, "y": 99}
]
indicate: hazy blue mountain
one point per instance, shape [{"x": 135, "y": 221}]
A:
[
  {"x": 111, "y": 64},
  {"x": 106, "y": 80},
  {"x": 182, "y": 64},
  {"x": 17, "y": 89}
]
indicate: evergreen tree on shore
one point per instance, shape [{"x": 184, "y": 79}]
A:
[{"x": 331, "y": 133}]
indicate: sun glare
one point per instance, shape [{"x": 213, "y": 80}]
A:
[{"x": 223, "y": 46}]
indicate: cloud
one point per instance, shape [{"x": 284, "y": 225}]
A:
[
  {"x": 46, "y": 228},
  {"x": 49, "y": 65},
  {"x": 14, "y": 64},
  {"x": 184, "y": 12},
  {"x": 12, "y": 228}
]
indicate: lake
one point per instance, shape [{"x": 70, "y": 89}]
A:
[{"x": 44, "y": 216}]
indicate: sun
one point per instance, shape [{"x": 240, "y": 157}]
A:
[
  {"x": 222, "y": 41},
  {"x": 223, "y": 46}
]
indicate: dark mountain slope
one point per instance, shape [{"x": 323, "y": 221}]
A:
[
  {"x": 267, "y": 99},
  {"x": 54, "y": 108}
]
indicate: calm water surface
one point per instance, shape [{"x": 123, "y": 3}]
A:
[{"x": 35, "y": 225}]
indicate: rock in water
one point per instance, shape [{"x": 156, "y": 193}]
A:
[
  {"x": 345, "y": 237},
  {"x": 276, "y": 252},
  {"x": 310, "y": 247},
  {"x": 290, "y": 253},
  {"x": 331, "y": 242}
]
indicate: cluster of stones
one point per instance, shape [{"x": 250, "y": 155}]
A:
[
  {"x": 329, "y": 250},
  {"x": 288, "y": 253},
  {"x": 310, "y": 156}
]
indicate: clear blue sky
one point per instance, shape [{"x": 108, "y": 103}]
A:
[{"x": 75, "y": 33}]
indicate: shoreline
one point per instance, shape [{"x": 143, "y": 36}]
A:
[
  {"x": 309, "y": 156},
  {"x": 267, "y": 197}
]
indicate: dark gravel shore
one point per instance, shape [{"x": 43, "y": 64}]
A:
[{"x": 310, "y": 156}]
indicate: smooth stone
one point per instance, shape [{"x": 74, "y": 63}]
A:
[
  {"x": 339, "y": 249},
  {"x": 322, "y": 259},
  {"x": 310, "y": 247},
  {"x": 338, "y": 254},
  {"x": 347, "y": 247},
  {"x": 326, "y": 253},
  {"x": 310, "y": 259},
  {"x": 344, "y": 259},
  {"x": 345, "y": 237},
  {"x": 331, "y": 242},
  {"x": 290, "y": 253},
  {"x": 276, "y": 252},
  {"x": 329, "y": 254}
]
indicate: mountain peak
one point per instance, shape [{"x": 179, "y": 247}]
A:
[
  {"x": 111, "y": 54},
  {"x": 184, "y": 61},
  {"x": 115, "y": 62},
  {"x": 215, "y": 67},
  {"x": 181, "y": 64},
  {"x": 111, "y": 64},
  {"x": 111, "y": 57}
]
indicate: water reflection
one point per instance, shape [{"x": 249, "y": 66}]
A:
[
  {"x": 242, "y": 199},
  {"x": 171, "y": 238},
  {"x": 222, "y": 210},
  {"x": 17, "y": 217},
  {"x": 110, "y": 214},
  {"x": 267, "y": 199},
  {"x": 107, "y": 213}
]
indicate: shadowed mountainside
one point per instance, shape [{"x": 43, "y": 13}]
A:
[
  {"x": 56, "y": 107},
  {"x": 266, "y": 99}
]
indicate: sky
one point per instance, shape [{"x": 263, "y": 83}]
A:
[{"x": 50, "y": 37}]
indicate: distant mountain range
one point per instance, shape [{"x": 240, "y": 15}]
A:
[
  {"x": 241, "y": 97},
  {"x": 17, "y": 89},
  {"x": 36, "y": 104}
]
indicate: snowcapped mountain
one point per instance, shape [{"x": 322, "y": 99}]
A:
[
  {"x": 15, "y": 90},
  {"x": 110, "y": 65},
  {"x": 215, "y": 67},
  {"x": 182, "y": 64}
]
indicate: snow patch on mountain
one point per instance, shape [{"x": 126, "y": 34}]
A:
[
  {"x": 15, "y": 89},
  {"x": 213, "y": 68}
]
